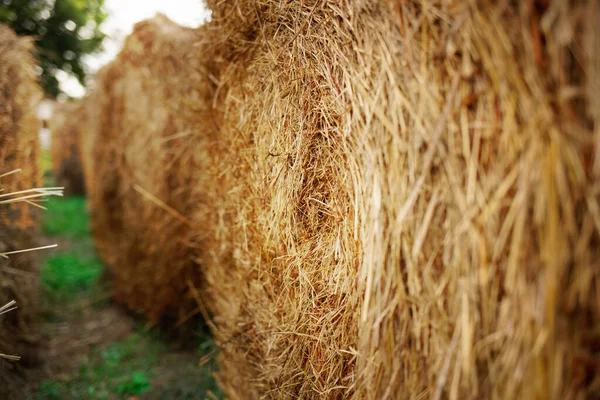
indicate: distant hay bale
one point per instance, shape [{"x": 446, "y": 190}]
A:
[
  {"x": 138, "y": 168},
  {"x": 408, "y": 202},
  {"x": 19, "y": 95},
  {"x": 67, "y": 125}
]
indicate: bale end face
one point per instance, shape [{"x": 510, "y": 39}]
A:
[{"x": 406, "y": 200}]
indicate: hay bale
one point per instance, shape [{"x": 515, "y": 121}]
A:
[
  {"x": 18, "y": 123},
  {"x": 138, "y": 167},
  {"x": 408, "y": 203},
  {"x": 19, "y": 95},
  {"x": 66, "y": 126}
]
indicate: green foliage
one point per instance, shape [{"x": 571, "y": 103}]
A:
[
  {"x": 66, "y": 216},
  {"x": 71, "y": 273},
  {"x": 64, "y": 30}
]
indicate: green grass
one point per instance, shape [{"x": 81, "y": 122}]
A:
[
  {"x": 197, "y": 382},
  {"x": 71, "y": 273},
  {"x": 138, "y": 383},
  {"x": 66, "y": 216},
  {"x": 73, "y": 270},
  {"x": 126, "y": 369},
  {"x": 50, "y": 390},
  {"x": 118, "y": 371}
]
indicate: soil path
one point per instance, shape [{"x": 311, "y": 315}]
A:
[{"x": 93, "y": 349}]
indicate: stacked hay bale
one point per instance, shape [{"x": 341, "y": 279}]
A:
[
  {"x": 19, "y": 94},
  {"x": 138, "y": 168},
  {"x": 387, "y": 199},
  {"x": 408, "y": 202},
  {"x": 66, "y": 126}
]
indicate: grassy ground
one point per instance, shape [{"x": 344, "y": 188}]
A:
[{"x": 95, "y": 349}]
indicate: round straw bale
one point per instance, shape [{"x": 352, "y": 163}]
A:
[
  {"x": 138, "y": 167},
  {"x": 408, "y": 203},
  {"x": 19, "y": 128}
]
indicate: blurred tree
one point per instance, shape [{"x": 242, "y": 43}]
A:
[{"x": 64, "y": 31}]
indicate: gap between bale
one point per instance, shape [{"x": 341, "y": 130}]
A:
[{"x": 66, "y": 126}]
